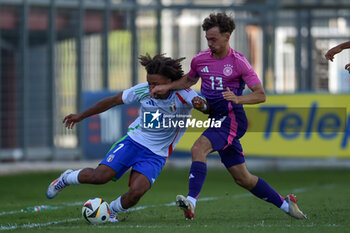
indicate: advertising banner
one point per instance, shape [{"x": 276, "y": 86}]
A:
[{"x": 298, "y": 125}]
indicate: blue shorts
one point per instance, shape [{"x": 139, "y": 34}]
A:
[
  {"x": 127, "y": 153},
  {"x": 225, "y": 140}
]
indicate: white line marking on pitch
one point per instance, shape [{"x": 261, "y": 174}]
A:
[
  {"x": 33, "y": 225},
  {"x": 63, "y": 205}
]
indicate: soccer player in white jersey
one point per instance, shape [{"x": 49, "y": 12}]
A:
[
  {"x": 224, "y": 73},
  {"x": 145, "y": 147}
]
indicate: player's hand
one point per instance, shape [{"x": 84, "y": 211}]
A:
[
  {"x": 230, "y": 96},
  {"x": 159, "y": 90},
  {"x": 198, "y": 103},
  {"x": 333, "y": 51},
  {"x": 347, "y": 67},
  {"x": 71, "y": 120}
]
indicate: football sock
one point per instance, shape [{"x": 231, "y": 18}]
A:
[
  {"x": 264, "y": 191},
  {"x": 285, "y": 206},
  {"x": 72, "y": 178},
  {"x": 116, "y": 205},
  {"x": 192, "y": 200},
  {"x": 198, "y": 173}
]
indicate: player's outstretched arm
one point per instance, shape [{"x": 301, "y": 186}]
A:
[
  {"x": 200, "y": 104},
  {"x": 255, "y": 97},
  {"x": 185, "y": 82},
  {"x": 101, "y": 106},
  {"x": 337, "y": 49}
]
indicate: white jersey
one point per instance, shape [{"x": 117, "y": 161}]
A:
[{"x": 160, "y": 140}]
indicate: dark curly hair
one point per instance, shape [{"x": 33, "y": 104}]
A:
[
  {"x": 221, "y": 20},
  {"x": 165, "y": 66}
]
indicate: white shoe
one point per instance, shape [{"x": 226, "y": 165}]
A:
[
  {"x": 113, "y": 216},
  {"x": 186, "y": 206},
  {"x": 57, "y": 185},
  {"x": 294, "y": 211}
]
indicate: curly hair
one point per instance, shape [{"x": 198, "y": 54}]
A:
[
  {"x": 221, "y": 20},
  {"x": 165, "y": 66}
]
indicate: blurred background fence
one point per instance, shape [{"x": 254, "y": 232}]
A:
[{"x": 61, "y": 56}]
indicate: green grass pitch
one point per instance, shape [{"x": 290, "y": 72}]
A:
[{"x": 223, "y": 206}]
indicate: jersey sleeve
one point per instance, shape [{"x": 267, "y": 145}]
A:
[
  {"x": 193, "y": 71},
  {"x": 248, "y": 74},
  {"x": 187, "y": 95},
  {"x": 135, "y": 93}
]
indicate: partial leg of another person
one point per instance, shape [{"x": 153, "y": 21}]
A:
[
  {"x": 233, "y": 159},
  {"x": 198, "y": 171},
  {"x": 146, "y": 167},
  {"x": 100, "y": 175},
  {"x": 139, "y": 184}
]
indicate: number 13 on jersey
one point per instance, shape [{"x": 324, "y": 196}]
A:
[{"x": 216, "y": 83}]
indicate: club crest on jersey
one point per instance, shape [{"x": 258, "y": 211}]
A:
[
  {"x": 228, "y": 69},
  {"x": 172, "y": 107},
  {"x": 110, "y": 158}
]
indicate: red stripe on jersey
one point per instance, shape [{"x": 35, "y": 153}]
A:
[
  {"x": 187, "y": 89},
  {"x": 180, "y": 98},
  {"x": 170, "y": 150}
]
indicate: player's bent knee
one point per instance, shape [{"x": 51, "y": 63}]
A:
[
  {"x": 195, "y": 149},
  {"x": 242, "y": 182},
  {"x": 197, "y": 154},
  {"x": 239, "y": 181},
  {"x": 245, "y": 182}
]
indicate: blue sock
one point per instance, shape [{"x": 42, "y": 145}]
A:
[
  {"x": 264, "y": 191},
  {"x": 198, "y": 173}
]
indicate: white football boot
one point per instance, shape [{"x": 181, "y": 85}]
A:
[
  {"x": 57, "y": 185},
  {"x": 186, "y": 206},
  {"x": 113, "y": 216},
  {"x": 294, "y": 211}
]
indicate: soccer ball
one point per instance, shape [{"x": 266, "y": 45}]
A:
[{"x": 96, "y": 211}]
